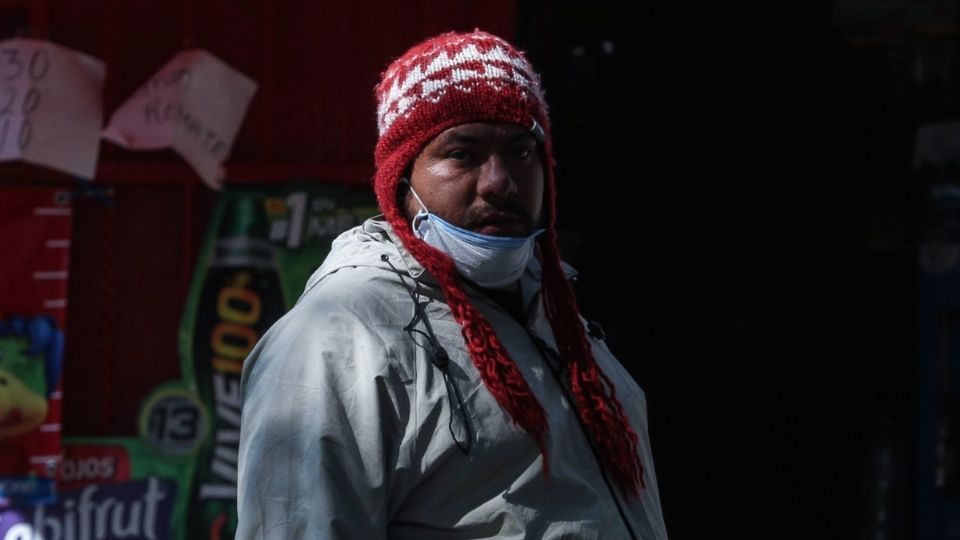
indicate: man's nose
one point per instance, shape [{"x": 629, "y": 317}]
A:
[{"x": 496, "y": 180}]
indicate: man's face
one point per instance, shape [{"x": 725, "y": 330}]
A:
[{"x": 484, "y": 177}]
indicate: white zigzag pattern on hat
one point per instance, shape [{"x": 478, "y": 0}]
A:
[{"x": 400, "y": 98}]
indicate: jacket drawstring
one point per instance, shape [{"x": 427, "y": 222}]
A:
[{"x": 438, "y": 356}]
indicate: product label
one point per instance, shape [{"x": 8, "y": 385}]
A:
[
  {"x": 133, "y": 510},
  {"x": 93, "y": 464},
  {"x": 35, "y": 226}
]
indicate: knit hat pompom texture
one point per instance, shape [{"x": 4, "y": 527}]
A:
[{"x": 454, "y": 79}]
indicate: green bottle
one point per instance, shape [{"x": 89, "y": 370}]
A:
[{"x": 240, "y": 296}]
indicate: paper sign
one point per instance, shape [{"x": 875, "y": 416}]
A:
[
  {"x": 50, "y": 106},
  {"x": 194, "y": 104}
]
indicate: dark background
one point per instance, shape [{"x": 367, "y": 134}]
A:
[
  {"x": 737, "y": 181},
  {"x": 735, "y": 189}
]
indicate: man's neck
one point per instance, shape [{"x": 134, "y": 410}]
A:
[{"x": 509, "y": 298}]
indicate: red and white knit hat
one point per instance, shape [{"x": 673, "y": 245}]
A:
[{"x": 454, "y": 79}]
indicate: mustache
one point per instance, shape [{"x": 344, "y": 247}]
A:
[{"x": 477, "y": 216}]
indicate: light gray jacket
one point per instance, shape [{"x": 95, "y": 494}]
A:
[{"x": 347, "y": 430}]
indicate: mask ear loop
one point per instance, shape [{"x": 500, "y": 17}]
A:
[{"x": 422, "y": 214}]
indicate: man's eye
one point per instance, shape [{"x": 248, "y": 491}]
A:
[
  {"x": 460, "y": 155},
  {"x": 523, "y": 152}
]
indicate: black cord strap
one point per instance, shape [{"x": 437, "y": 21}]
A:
[{"x": 438, "y": 356}]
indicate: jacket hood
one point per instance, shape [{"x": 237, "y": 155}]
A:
[{"x": 364, "y": 246}]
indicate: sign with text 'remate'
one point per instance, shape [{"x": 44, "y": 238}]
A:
[
  {"x": 194, "y": 104},
  {"x": 50, "y": 106}
]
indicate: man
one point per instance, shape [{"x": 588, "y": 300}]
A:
[{"x": 435, "y": 379}]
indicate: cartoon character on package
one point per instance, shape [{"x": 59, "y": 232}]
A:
[{"x": 31, "y": 353}]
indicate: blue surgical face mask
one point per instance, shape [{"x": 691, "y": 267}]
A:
[{"x": 488, "y": 261}]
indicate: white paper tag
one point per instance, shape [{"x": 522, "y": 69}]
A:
[
  {"x": 194, "y": 104},
  {"x": 50, "y": 106}
]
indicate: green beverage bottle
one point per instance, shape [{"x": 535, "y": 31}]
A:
[{"x": 237, "y": 295}]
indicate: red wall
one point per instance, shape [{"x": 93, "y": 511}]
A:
[{"x": 316, "y": 64}]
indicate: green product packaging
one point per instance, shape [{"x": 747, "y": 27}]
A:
[{"x": 262, "y": 245}]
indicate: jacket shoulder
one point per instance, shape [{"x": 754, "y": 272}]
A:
[
  {"x": 355, "y": 315},
  {"x": 371, "y": 294}
]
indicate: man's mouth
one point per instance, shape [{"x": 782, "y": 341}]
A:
[{"x": 499, "y": 223}]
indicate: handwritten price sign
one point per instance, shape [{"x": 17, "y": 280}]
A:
[
  {"x": 194, "y": 104},
  {"x": 17, "y": 105},
  {"x": 50, "y": 106}
]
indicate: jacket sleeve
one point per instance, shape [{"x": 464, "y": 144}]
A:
[{"x": 325, "y": 414}]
